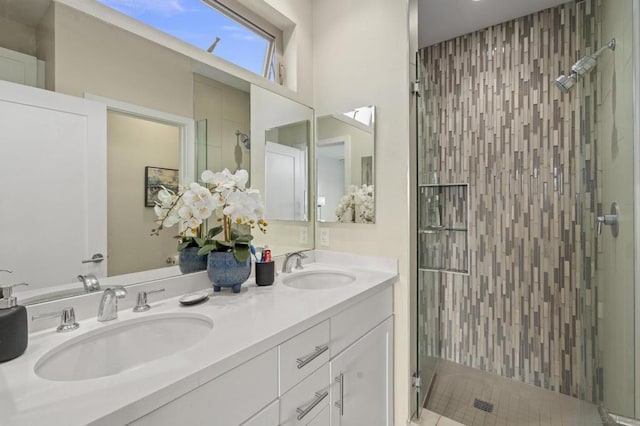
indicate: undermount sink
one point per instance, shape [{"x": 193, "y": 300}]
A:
[
  {"x": 122, "y": 346},
  {"x": 318, "y": 279}
]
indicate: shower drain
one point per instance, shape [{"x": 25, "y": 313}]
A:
[{"x": 483, "y": 405}]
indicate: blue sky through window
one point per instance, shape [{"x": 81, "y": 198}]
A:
[{"x": 199, "y": 24}]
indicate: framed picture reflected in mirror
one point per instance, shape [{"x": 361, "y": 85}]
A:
[{"x": 154, "y": 179}]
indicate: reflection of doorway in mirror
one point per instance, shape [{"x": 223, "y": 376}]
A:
[
  {"x": 133, "y": 143},
  {"x": 285, "y": 180},
  {"x": 367, "y": 170},
  {"x": 333, "y": 174}
]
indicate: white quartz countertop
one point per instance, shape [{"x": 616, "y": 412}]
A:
[{"x": 245, "y": 325}]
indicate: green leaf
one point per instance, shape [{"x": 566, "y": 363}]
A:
[
  {"x": 241, "y": 253},
  {"x": 244, "y": 238},
  {"x": 223, "y": 244},
  {"x": 199, "y": 241},
  {"x": 183, "y": 245},
  {"x": 206, "y": 249},
  {"x": 214, "y": 231}
]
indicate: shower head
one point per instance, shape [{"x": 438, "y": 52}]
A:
[
  {"x": 581, "y": 68},
  {"x": 584, "y": 65},
  {"x": 565, "y": 83},
  {"x": 243, "y": 138}
]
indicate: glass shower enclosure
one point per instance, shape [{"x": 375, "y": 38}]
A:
[{"x": 527, "y": 241}]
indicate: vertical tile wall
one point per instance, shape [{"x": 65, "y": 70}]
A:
[{"x": 493, "y": 118}]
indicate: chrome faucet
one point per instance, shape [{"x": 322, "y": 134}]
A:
[
  {"x": 90, "y": 282},
  {"x": 286, "y": 265},
  {"x": 108, "y": 309}
]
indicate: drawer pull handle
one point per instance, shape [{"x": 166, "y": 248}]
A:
[
  {"x": 304, "y": 411},
  {"x": 319, "y": 351},
  {"x": 340, "y": 403}
]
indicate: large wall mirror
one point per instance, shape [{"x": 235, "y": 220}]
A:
[
  {"x": 345, "y": 156},
  {"x": 166, "y": 118}
]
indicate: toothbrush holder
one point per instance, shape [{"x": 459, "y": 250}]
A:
[{"x": 265, "y": 273}]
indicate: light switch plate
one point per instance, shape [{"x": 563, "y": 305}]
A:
[
  {"x": 324, "y": 237},
  {"x": 303, "y": 235}
]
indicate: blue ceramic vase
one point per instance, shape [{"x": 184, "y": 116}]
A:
[
  {"x": 190, "y": 261},
  {"x": 225, "y": 271}
]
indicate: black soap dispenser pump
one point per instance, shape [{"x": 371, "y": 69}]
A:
[{"x": 13, "y": 324}]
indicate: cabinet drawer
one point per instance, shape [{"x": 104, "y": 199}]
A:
[
  {"x": 306, "y": 400},
  {"x": 270, "y": 416},
  {"x": 303, "y": 354},
  {"x": 352, "y": 323},
  {"x": 322, "y": 419},
  {"x": 225, "y": 400}
]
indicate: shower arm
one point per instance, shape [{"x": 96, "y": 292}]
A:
[{"x": 611, "y": 45}]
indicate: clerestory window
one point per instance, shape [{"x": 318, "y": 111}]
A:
[{"x": 213, "y": 27}]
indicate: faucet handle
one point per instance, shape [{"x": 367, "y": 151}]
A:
[
  {"x": 141, "y": 303},
  {"x": 67, "y": 319}
]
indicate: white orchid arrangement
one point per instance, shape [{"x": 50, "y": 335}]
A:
[
  {"x": 223, "y": 195},
  {"x": 358, "y": 202}
]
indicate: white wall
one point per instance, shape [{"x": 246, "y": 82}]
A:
[
  {"x": 226, "y": 109},
  {"x": 18, "y": 37},
  {"x": 94, "y": 57},
  {"x": 350, "y": 73},
  {"x": 298, "y": 45}
]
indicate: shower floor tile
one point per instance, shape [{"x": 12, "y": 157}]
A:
[{"x": 456, "y": 388}]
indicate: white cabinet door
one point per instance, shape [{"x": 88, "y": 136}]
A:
[
  {"x": 53, "y": 186},
  {"x": 286, "y": 183},
  {"x": 362, "y": 375}
]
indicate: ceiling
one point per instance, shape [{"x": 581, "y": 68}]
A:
[{"x": 440, "y": 20}]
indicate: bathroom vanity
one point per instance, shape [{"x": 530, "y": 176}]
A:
[{"x": 295, "y": 353}]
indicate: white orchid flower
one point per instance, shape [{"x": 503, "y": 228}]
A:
[
  {"x": 170, "y": 220},
  {"x": 219, "y": 181},
  {"x": 240, "y": 178},
  {"x": 225, "y": 195}
]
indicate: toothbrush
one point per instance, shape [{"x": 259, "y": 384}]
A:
[{"x": 253, "y": 252}]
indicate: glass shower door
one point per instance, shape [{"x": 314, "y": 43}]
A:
[
  {"x": 606, "y": 208},
  {"x": 428, "y": 298}
]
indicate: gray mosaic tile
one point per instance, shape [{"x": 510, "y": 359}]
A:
[{"x": 492, "y": 118}]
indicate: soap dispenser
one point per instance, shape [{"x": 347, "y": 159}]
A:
[{"x": 13, "y": 324}]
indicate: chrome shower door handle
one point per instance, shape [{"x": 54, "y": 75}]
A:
[{"x": 610, "y": 219}]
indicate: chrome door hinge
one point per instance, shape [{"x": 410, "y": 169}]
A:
[
  {"x": 416, "y": 381},
  {"x": 415, "y": 87}
]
